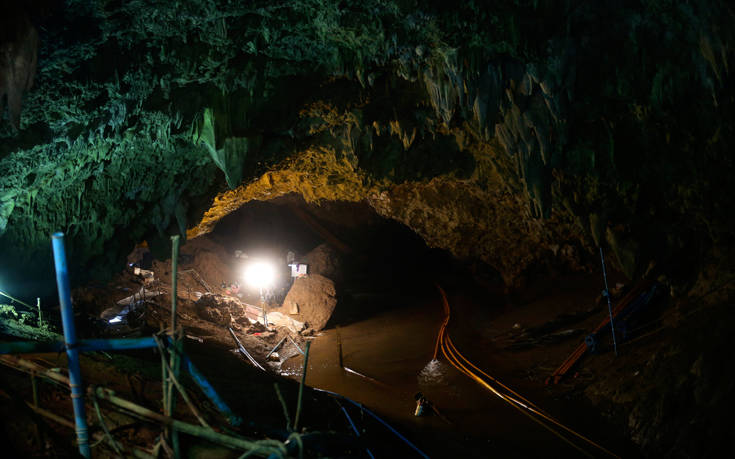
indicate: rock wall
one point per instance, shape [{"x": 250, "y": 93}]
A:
[{"x": 482, "y": 128}]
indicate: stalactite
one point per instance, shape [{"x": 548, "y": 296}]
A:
[{"x": 18, "y": 59}]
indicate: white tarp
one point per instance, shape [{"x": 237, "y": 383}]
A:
[{"x": 142, "y": 294}]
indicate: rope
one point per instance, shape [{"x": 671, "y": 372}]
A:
[
  {"x": 299, "y": 442},
  {"x": 280, "y": 452}
]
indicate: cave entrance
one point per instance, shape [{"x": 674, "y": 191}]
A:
[
  {"x": 347, "y": 243},
  {"x": 327, "y": 264},
  {"x": 371, "y": 309}
]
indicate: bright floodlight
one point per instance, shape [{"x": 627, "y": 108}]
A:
[{"x": 260, "y": 274}]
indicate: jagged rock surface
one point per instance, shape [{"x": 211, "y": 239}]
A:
[{"x": 501, "y": 131}]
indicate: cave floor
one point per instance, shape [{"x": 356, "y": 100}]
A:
[
  {"x": 386, "y": 328},
  {"x": 392, "y": 348}
]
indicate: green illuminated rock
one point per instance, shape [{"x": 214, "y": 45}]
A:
[{"x": 493, "y": 130}]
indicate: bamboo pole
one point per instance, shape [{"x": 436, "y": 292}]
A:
[
  {"x": 16, "y": 300},
  {"x": 190, "y": 429},
  {"x": 183, "y": 393},
  {"x": 174, "y": 268},
  {"x": 33, "y": 368},
  {"x": 34, "y": 388},
  {"x": 301, "y": 387},
  {"x": 136, "y": 452},
  {"x": 164, "y": 387},
  {"x": 175, "y": 336},
  {"x": 142, "y": 412}
]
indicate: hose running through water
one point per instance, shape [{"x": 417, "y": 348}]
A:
[{"x": 461, "y": 363}]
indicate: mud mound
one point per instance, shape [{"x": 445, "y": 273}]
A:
[
  {"x": 314, "y": 297},
  {"x": 325, "y": 261},
  {"x": 209, "y": 308},
  {"x": 203, "y": 266},
  {"x": 221, "y": 310},
  {"x": 209, "y": 259}
]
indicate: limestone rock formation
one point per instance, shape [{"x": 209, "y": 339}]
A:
[
  {"x": 499, "y": 131},
  {"x": 323, "y": 260},
  {"x": 314, "y": 296},
  {"x": 18, "y": 60}
]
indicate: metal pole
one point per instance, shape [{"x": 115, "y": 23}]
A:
[
  {"x": 301, "y": 387},
  {"x": 274, "y": 347},
  {"x": 609, "y": 305},
  {"x": 262, "y": 303},
  {"x": 70, "y": 337}
]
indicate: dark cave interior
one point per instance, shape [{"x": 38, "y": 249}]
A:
[{"x": 432, "y": 188}]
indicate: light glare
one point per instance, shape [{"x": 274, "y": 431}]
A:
[{"x": 260, "y": 274}]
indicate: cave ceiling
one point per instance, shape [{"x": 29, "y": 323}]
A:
[{"x": 508, "y": 132}]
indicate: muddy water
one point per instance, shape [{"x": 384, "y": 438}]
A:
[{"x": 393, "y": 350}]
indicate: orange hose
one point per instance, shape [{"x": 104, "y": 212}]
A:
[{"x": 456, "y": 359}]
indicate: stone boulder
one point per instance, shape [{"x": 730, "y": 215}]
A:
[
  {"x": 312, "y": 300},
  {"x": 325, "y": 261}
]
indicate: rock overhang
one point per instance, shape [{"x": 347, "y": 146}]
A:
[{"x": 499, "y": 147}]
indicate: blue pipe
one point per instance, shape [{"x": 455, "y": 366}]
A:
[
  {"x": 118, "y": 344},
  {"x": 209, "y": 391},
  {"x": 357, "y": 432},
  {"x": 388, "y": 426},
  {"x": 83, "y": 345},
  {"x": 70, "y": 337}
]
